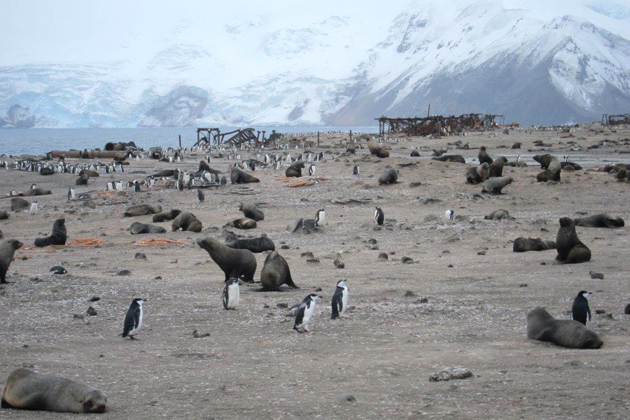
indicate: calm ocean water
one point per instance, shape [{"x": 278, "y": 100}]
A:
[{"x": 42, "y": 140}]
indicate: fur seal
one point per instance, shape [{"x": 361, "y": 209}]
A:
[
  {"x": 166, "y": 216},
  {"x": 496, "y": 167},
  {"x": 251, "y": 212},
  {"x": 243, "y": 223},
  {"x": 450, "y": 158},
  {"x": 276, "y": 272},
  {"x": 142, "y": 210},
  {"x": 477, "y": 174},
  {"x": 82, "y": 179},
  {"x": 138, "y": 228},
  {"x": 27, "y": 390},
  {"x": 570, "y": 249},
  {"x": 552, "y": 168},
  {"x": 186, "y": 221},
  {"x": 495, "y": 185},
  {"x": 4, "y": 215},
  {"x": 204, "y": 167},
  {"x": 498, "y": 215},
  {"x": 46, "y": 170},
  {"x": 36, "y": 191},
  {"x": 58, "y": 237},
  {"x": 90, "y": 173},
  {"x": 295, "y": 170},
  {"x": 234, "y": 263},
  {"x": 166, "y": 173},
  {"x": 532, "y": 244},
  {"x": 389, "y": 176},
  {"x": 603, "y": 220},
  {"x": 373, "y": 147},
  {"x": 541, "y": 326},
  {"x": 7, "y": 250},
  {"x": 256, "y": 245},
  {"x": 19, "y": 204},
  {"x": 483, "y": 156},
  {"x": 239, "y": 177}
]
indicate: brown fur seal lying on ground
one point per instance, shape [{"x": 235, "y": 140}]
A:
[
  {"x": 603, "y": 220},
  {"x": 7, "y": 250},
  {"x": 27, "y": 390},
  {"x": 166, "y": 173},
  {"x": 19, "y": 204},
  {"x": 570, "y": 249},
  {"x": 142, "y": 210},
  {"x": 239, "y": 177},
  {"x": 235, "y": 263},
  {"x": 389, "y": 176},
  {"x": 243, "y": 223},
  {"x": 496, "y": 167},
  {"x": 166, "y": 216},
  {"x": 204, "y": 167},
  {"x": 477, "y": 174},
  {"x": 541, "y": 326},
  {"x": 276, "y": 272},
  {"x": 450, "y": 158},
  {"x": 256, "y": 245},
  {"x": 377, "y": 150},
  {"x": 58, "y": 237},
  {"x": 495, "y": 185},
  {"x": 138, "y": 228},
  {"x": 483, "y": 156},
  {"x": 498, "y": 215},
  {"x": 91, "y": 174},
  {"x": 46, "y": 170},
  {"x": 295, "y": 170},
  {"x": 36, "y": 191},
  {"x": 186, "y": 221},
  {"x": 251, "y": 212},
  {"x": 532, "y": 244}
]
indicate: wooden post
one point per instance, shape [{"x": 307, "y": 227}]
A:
[
  {"x": 429, "y": 111},
  {"x": 180, "y": 141},
  {"x": 351, "y": 136},
  {"x": 318, "y": 139}
]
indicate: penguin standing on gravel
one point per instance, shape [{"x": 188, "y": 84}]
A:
[
  {"x": 71, "y": 194},
  {"x": 356, "y": 170},
  {"x": 200, "y": 196},
  {"x": 449, "y": 214},
  {"x": 231, "y": 294},
  {"x": 580, "y": 307},
  {"x": 133, "y": 320},
  {"x": 379, "y": 216},
  {"x": 311, "y": 170},
  {"x": 305, "y": 312},
  {"x": 340, "y": 300},
  {"x": 320, "y": 217}
]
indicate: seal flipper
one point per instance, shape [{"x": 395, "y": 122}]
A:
[
  {"x": 5, "y": 404},
  {"x": 545, "y": 335}
]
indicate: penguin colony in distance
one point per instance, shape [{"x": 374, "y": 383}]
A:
[
  {"x": 231, "y": 294},
  {"x": 379, "y": 216},
  {"x": 340, "y": 300},
  {"x": 133, "y": 320},
  {"x": 580, "y": 307},
  {"x": 305, "y": 312}
]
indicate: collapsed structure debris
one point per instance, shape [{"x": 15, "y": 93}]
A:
[
  {"x": 213, "y": 137},
  {"x": 620, "y": 119},
  {"x": 423, "y": 126}
]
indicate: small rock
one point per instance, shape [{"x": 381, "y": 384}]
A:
[
  {"x": 313, "y": 260},
  {"x": 282, "y": 305},
  {"x": 140, "y": 256},
  {"x": 158, "y": 278},
  {"x": 197, "y": 335},
  {"x": 424, "y": 300},
  {"x": 409, "y": 293},
  {"x": 523, "y": 285},
  {"x": 600, "y": 311},
  {"x": 265, "y": 306},
  {"x": 91, "y": 311},
  {"x": 307, "y": 254},
  {"x": 284, "y": 247},
  {"x": 318, "y": 289},
  {"x": 481, "y": 253},
  {"x": 543, "y": 263},
  {"x": 627, "y": 309},
  {"x": 451, "y": 373},
  {"x": 449, "y": 266},
  {"x": 372, "y": 241},
  {"x": 596, "y": 276},
  {"x": 123, "y": 273},
  {"x": 383, "y": 256},
  {"x": 407, "y": 260},
  {"x": 339, "y": 264},
  {"x": 351, "y": 399},
  {"x": 95, "y": 299}
]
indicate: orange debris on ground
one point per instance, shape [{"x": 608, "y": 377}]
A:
[{"x": 159, "y": 242}]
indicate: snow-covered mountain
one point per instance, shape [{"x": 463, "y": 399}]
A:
[{"x": 534, "y": 61}]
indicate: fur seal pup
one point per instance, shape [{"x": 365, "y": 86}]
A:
[
  {"x": 450, "y": 158},
  {"x": 251, "y": 212},
  {"x": 570, "y": 249},
  {"x": 138, "y": 228},
  {"x": 532, "y": 244},
  {"x": 477, "y": 174},
  {"x": 7, "y": 250},
  {"x": 166, "y": 216},
  {"x": 256, "y": 245},
  {"x": 541, "y": 326},
  {"x": 498, "y": 215},
  {"x": 243, "y": 223},
  {"x": 276, "y": 272},
  {"x": 235, "y": 263},
  {"x": 602, "y": 220},
  {"x": 58, "y": 237},
  {"x": 496, "y": 167},
  {"x": 239, "y": 177},
  {"x": 28, "y": 390},
  {"x": 295, "y": 170},
  {"x": 389, "y": 176},
  {"x": 142, "y": 210},
  {"x": 36, "y": 191},
  {"x": 580, "y": 308},
  {"x": 495, "y": 185},
  {"x": 483, "y": 156},
  {"x": 19, "y": 204},
  {"x": 186, "y": 221}
]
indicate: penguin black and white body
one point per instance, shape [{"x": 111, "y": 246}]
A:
[
  {"x": 449, "y": 214},
  {"x": 133, "y": 320},
  {"x": 34, "y": 208},
  {"x": 379, "y": 216},
  {"x": 356, "y": 170},
  {"x": 305, "y": 312},
  {"x": 200, "y": 196},
  {"x": 580, "y": 307},
  {"x": 311, "y": 170},
  {"x": 231, "y": 294},
  {"x": 180, "y": 185},
  {"x": 136, "y": 186},
  {"x": 71, "y": 194},
  {"x": 33, "y": 186},
  {"x": 223, "y": 180},
  {"x": 340, "y": 300},
  {"x": 58, "y": 270},
  {"x": 320, "y": 217}
]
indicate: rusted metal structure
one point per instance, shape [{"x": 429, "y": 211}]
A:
[
  {"x": 423, "y": 126},
  {"x": 214, "y": 137},
  {"x": 620, "y": 119}
]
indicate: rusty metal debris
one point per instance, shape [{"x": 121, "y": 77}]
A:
[
  {"x": 424, "y": 126},
  {"x": 620, "y": 119},
  {"x": 213, "y": 137}
]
